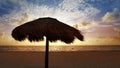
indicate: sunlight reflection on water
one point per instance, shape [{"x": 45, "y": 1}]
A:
[{"x": 59, "y": 48}]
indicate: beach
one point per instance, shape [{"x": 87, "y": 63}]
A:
[{"x": 70, "y": 59}]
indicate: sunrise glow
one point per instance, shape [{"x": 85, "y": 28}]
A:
[{"x": 100, "y": 26}]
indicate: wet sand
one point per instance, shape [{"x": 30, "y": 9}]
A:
[{"x": 73, "y": 59}]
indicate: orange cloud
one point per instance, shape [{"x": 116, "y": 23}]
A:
[
  {"x": 76, "y": 26},
  {"x": 85, "y": 23},
  {"x": 1, "y": 34},
  {"x": 118, "y": 31}
]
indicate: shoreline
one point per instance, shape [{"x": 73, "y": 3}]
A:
[{"x": 78, "y": 59}]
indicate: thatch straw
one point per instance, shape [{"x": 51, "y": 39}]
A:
[{"x": 51, "y": 28}]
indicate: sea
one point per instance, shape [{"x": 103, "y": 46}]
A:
[{"x": 62, "y": 48}]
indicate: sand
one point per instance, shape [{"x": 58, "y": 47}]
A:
[{"x": 73, "y": 59}]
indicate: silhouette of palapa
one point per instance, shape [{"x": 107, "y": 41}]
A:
[{"x": 51, "y": 28}]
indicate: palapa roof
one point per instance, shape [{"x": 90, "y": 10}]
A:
[{"x": 51, "y": 28}]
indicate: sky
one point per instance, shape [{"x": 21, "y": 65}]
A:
[{"x": 98, "y": 20}]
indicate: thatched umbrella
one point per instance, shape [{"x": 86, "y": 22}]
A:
[{"x": 51, "y": 28}]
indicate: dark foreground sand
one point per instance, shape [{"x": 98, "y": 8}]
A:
[{"x": 78, "y": 59}]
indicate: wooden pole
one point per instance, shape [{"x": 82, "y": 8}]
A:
[{"x": 47, "y": 53}]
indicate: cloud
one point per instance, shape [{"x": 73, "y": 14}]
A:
[
  {"x": 86, "y": 25},
  {"x": 117, "y": 30},
  {"x": 112, "y": 17},
  {"x": 1, "y": 35},
  {"x": 4, "y": 30},
  {"x": 71, "y": 5},
  {"x": 24, "y": 18},
  {"x": 68, "y": 11},
  {"x": 2, "y": 26}
]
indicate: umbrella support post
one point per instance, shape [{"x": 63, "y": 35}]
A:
[{"x": 47, "y": 53}]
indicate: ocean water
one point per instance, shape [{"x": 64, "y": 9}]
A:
[{"x": 60, "y": 48}]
